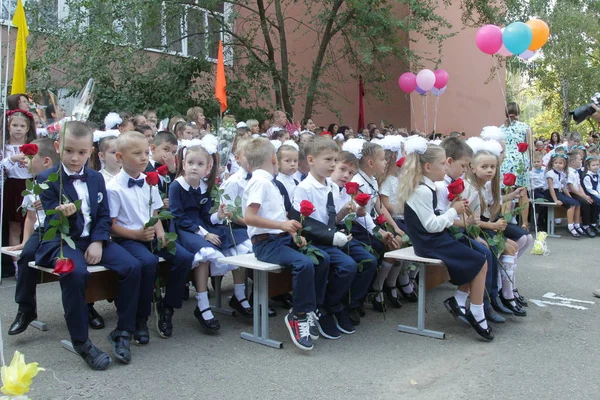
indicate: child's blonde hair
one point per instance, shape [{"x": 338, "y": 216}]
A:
[
  {"x": 495, "y": 183},
  {"x": 368, "y": 152},
  {"x": 285, "y": 147},
  {"x": 390, "y": 158},
  {"x": 258, "y": 151},
  {"x": 412, "y": 171}
]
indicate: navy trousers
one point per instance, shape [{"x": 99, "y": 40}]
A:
[
  {"x": 309, "y": 280},
  {"x": 342, "y": 271},
  {"x": 364, "y": 275},
  {"x": 181, "y": 263},
  {"x": 73, "y": 285},
  {"x": 27, "y": 277}
]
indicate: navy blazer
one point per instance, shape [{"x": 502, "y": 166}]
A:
[
  {"x": 99, "y": 211},
  {"x": 319, "y": 233},
  {"x": 161, "y": 184}
]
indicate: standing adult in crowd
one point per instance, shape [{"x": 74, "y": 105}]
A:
[
  {"x": 18, "y": 102},
  {"x": 278, "y": 122}
]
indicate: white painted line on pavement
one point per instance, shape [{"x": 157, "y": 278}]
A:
[
  {"x": 538, "y": 303},
  {"x": 573, "y": 306},
  {"x": 553, "y": 296}
]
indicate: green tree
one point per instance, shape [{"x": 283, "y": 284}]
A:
[
  {"x": 106, "y": 39},
  {"x": 567, "y": 73}
]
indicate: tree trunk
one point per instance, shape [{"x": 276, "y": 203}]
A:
[
  {"x": 564, "y": 86},
  {"x": 285, "y": 65},
  {"x": 270, "y": 52}
]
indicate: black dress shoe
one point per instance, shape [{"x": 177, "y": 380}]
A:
[
  {"x": 239, "y": 308},
  {"x": 210, "y": 325},
  {"x": 21, "y": 322},
  {"x": 573, "y": 232},
  {"x": 95, "y": 320},
  {"x": 186, "y": 292},
  {"x": 520, "y": 299},
  {"x": 589, "y": 232},
  {"x": 285, "y": 300},
  {"x": 484, "y": 333},
  {"x": 378, "y": 305},
  {"x": 492, "y": 316},
  {"x": 354, "y": 316},
  {"x": 164, "y": 318},
  {"x": 516, "y": 309},
  {"x": 498, "y": 306},
  {"x": 120, "y": 341},
  {"x": 580, "y": 230},
  {"x": 141, "y": 335},
  {"x": 596, "y": 229},
  {"x": 394, "y": 301},
  {"x": 361, "y": 308},
  {"x": 410, "y": 297},
  {"x": 93, "y": 356},
  {"x": 458, "y": 312}
]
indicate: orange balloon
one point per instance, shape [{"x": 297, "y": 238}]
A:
[{"x": 541, "y": 33}]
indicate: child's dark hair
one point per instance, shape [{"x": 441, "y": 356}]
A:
[
  {"x": 345, "y": 157},
  {"x": 214, "y": 170},
  {"x": 46, "y": 149},
  {"x": 319, "y": 145},
  {"x": 553, "y": 159},
  {"x": 368, "y": 152},
  {"x": 456, "y": 148},
  {"x": 78, "y": 129},
  {"x": 279, "y": 134},
  {"x": 143, "y": 128},
  {"x": 164, "y": 136},
  {"x": 31, "y": 134}
]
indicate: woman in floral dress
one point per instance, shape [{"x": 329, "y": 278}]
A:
[{"x": 517, "y": 132}]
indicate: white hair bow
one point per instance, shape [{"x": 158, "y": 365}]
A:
[{"x": 415, "y": 144}]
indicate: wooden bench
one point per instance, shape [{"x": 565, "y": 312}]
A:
[
  {"x": 261, "y": 270},
  {"x": 550, "y": 218},
  {"x": 408, "y": 254}
]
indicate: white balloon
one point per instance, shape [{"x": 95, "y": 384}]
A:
[{"x": 426, "y": 79}]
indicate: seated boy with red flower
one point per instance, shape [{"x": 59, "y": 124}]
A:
[
  {"x": 275, "y": 240},
  {"x": 89, "y": 228},
  {"x": 317, "y": 188},
  {"x": 163, "y": 160},
  {"x": 134, "y": 199}
]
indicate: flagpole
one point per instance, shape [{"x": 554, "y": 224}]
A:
[{"x": 4, "y": 91}]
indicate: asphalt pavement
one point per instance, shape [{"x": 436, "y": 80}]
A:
[{"x": 550, "y": 354}]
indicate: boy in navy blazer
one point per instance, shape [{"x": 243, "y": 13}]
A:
[{"x": 89, "y": 229}]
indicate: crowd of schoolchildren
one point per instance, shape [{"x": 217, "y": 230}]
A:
[{"x": 328, "y": 206}]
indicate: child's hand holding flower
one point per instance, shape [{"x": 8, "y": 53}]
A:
[{"x": 67, "y": 209}]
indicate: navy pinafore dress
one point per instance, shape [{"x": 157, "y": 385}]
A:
[{"x": 463, "y": 263}]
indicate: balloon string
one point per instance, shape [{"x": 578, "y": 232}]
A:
[
  {"x": 500, "y": 84},
  {"x": 437, "y": 99},
  {"x": 425, "y": 113},
  {"x": 412, "y": 110}
]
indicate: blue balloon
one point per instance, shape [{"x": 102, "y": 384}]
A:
[
  {"x": 517, "y": 37},
  {"x": 420, "y": 91}
]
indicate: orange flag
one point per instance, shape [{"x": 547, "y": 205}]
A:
[{"x": 220, "y": 92}]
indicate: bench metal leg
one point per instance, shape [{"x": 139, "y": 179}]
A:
[
  {"x": 218, "y": 307},
  {"x": 551, "y": 223},
  {"x": 41, "y": 325},
  {"x": 420, "y": 328},
  {"x": 260, "y": 332},
  {"x": 67, "y": 345}
]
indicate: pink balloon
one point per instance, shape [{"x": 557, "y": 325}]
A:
[
  {"x": 425, "y": 79},
  {"x": 503, "y": 50},
  {"x": 441, "y": 78},
  {"x": 489, "y": 39},
  {"x": 407, "y": 82}
]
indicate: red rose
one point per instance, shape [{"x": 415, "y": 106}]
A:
[
  {"x": 306, "y": 208},
  {"x": 63, "y": 266},
  {"x": 351, "y": 188},
  {"x": 456, "y": 187},
  {"x": 29, "y": 150},
  {"x": 452, "y": 196},
  {"x": 522, "y": 147},
  {"x": 400, "y": 162},
  {"x": 509, "y": 179},
  {"x": 152, "y": 178},
  {"x": 380, "y": 220},
  {"x": 362, "y": 199},
  {"x": 163, "y": 170}
]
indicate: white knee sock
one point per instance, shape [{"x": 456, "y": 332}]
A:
[
  {"x": 390, "y": 281},
  {"x": 16, "y": 269},
  {"x": 404, "y": 279},
  {"x": 461, "y": 298},
  {"x": 203, "y": 304},
  {"x": 477, "y": 311},
  {"x": 524, "y": 243},
  {"x": 382, "y": 274},
  {"x": 239, "y": 289},
  {"x": 507, "y": 273}
]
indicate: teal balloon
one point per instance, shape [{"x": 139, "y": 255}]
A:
[{"x": 517, "y": 37}]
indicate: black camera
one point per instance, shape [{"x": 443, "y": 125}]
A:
[{"x": 582, "y": 113}]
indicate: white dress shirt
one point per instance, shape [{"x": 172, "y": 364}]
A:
[
  {"x": 558, "y": 183},
  {"x": 107, "y": 176},
  {"x": 389, "y": 188},
  {"x": 84, "y": 195},
  {"x": 234, "y": 186},
  {"x": 369, "y": 186},
  {"x": 573, "y": 179},
  {"x": 262, "y": 191},
  {"x": 314, "y": 191},
  {"x": 14, "y": 170},
  {"x": 131, "y": 205},
  {"x": 442, "y": 193},
  {"x": 537, "y": 179},
  {"x": 421, "y": 202},
  {"x": 40, "y": 214},
  {"x": 289, "y": 183}
]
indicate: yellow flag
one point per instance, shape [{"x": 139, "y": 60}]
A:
[{"x": 19, "y": 78}]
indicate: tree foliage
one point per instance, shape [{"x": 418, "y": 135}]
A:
[{"x": 106, "y": 39}]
